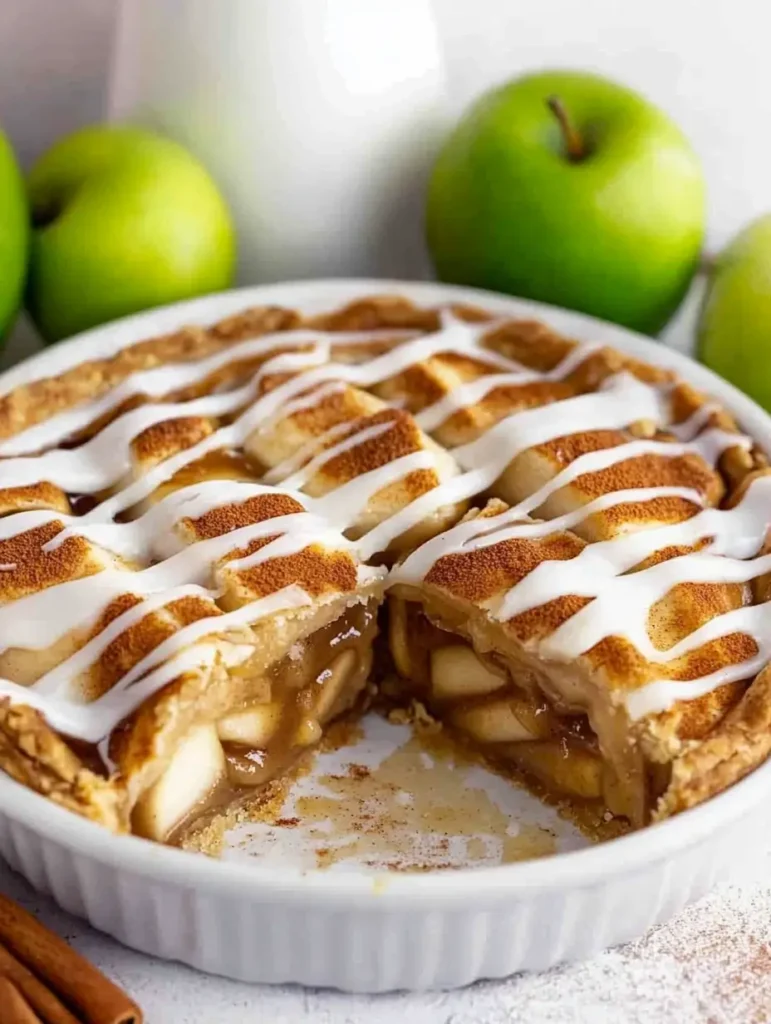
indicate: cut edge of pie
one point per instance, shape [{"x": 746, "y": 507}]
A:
[{"x": 211, "y": 735}]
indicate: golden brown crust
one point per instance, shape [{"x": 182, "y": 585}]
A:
[
  {"x": 226, "y": 518},
  {"x": 377, "y": 312},
  {"x": 39, "y": 400},
  {"x": 138, "y": 640},
  {"x": 738, "y": 744},
  {"x": 485, "y": 572},
  {"x": 162, "y": 440},
  {"x": 30, "y": 568},
  {"x": 42, "y": 495},
  {"x": 33, "y": 754},
  {"x": 708, "y": 741},
  {"x": 480, "y": 576},
  {"x": 314, "y": 569}
]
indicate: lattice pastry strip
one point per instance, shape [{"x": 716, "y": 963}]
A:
[{"x": 362, "y": 460}]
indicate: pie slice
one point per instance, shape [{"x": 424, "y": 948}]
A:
[
  {"x": 194, "y": 531},
  {"x": 566, "y": 660},
  {"x": 526, "y": 628},
  {"x": 167, "y": 691}
]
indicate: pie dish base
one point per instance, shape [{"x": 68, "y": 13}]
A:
[
  {"x": 365, "y": 933},
  {"x": 356, "y": 931}
]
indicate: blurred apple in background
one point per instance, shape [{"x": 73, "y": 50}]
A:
[
  {"x": 734, "y": 337},
  {"x": 14, "y": 235},
  {"x": 567, "y": 188},
  {"x": 123, "y": 220}
]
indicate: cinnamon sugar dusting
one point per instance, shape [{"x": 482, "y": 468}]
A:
[
  {"x": 400, "y": 437},
  {"x": 653, "y": 471},
  {"x": 211, "y": 837},
  {"x": 161, "y": 440},
  {"x": 329, "y": 428},
  {"x": 316, "y": 569},
  {"x": 30, "y": 567},
  {"x": 420, "y": 808},
  {"x": 721, "y": 950},
  {"x": 224, "y": 518},
  {"x": 411, "y": 814},
  {"x": 484, "y": 571}
]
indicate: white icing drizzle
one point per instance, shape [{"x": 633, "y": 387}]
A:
[
  {"x": 93, "y": 721},
  {"x": 622, "y": 400},
  {"x": 306, "y": 451},
  {"x": 162, "y": 380},
  {"x": 21, "y": 522},
  {"x": 543, "y": 527},
  {"x": 621, "y": 603},
  {"x": 61, "y": 681},
  {"x": 106, "y": 458},
  {"x": 298, "y": 480},
  {"x": 184, "y": 569},
  {"x": 688, "y": 429},
  {"x": 243, "y": 616},
  {"x": 344, "y": 504},
  {"x": 471, "y": 483},
  {"x": 152, "y": 536},
  {"x": 474, "y": 391},
  {"x": 78, "y": 602},
  {"x": 663, "y": 693}
]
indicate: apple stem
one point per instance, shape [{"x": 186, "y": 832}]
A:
[
  {"x": 43, "y": 215},
  {"x": 574, "y": 144},
  {"x": 707, "y": 263}
]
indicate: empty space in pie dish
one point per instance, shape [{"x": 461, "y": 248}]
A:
[{"x": 395, "y": 798}]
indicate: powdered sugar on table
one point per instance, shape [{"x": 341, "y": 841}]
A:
[{"x": 710, "y": 965}]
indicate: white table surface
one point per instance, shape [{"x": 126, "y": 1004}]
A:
[{"x": 711, "y": 965}]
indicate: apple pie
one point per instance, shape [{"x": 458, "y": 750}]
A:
[{"x": 198, "y": 531}]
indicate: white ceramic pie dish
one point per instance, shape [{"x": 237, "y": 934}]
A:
[{"x": 357, "y": 931}]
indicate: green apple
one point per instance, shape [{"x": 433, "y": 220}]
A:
[
  {"x": 735, "y": 324},
  {"x": 570, "y": 189},
  {"x": 123, "y": 220},
  {"x": 14, "y": 234}
]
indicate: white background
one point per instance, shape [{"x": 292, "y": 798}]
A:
[{"x": 705, "y": 61}]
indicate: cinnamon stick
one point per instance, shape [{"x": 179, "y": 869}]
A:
[
  {"x": 68, "y": 974},
  {"x": 45, "y": 1004},
  {"x": 13, "y": 1006}
]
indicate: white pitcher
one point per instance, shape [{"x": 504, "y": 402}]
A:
[{"x": 318, "y": 118}]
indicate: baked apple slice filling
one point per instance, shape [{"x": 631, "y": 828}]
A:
[
  {"x": 519, "y": 715},
  {"x": 256, "y": 742}
]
